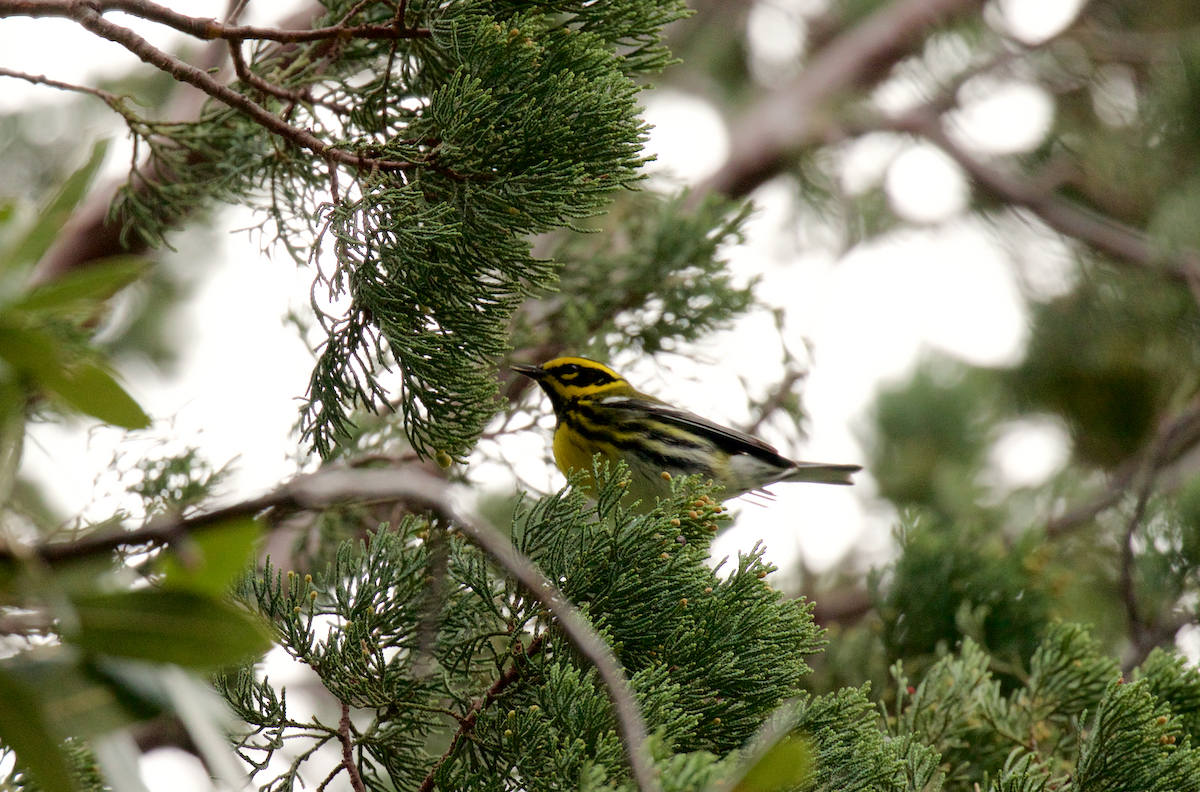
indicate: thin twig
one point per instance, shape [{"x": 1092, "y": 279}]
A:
[
  {"x": 348, "y": 750},
  {"x": 466, "y": 724},
  {"x": 111, "y": 99},
  {"x": 1128, "y": 588},
  {"x": 247, "y": 75},
  {"x": 90, "y": 19},
  {"x": 203, "y": 27},
  {"x": 775, "y": 400}
]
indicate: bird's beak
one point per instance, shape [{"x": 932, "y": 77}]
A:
[{"x": 533, "y": 372}]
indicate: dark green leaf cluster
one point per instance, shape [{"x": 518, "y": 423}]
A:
[
  {"x": 490, "y": 122},
  {"x": 421, "y": 627},
  {"x": 654, "y": 278},
  {"x": 45, "y": 347},
  {"x": 956, "y": 581},
  {"x": 853, "y": 754},
  {"x": 1110, "y": 357},
  {"x": 1072, "y": 724}
]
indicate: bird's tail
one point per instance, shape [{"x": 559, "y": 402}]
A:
[{"x": 820, "y": 473}]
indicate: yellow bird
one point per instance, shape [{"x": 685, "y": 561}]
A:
[{"x": 600, "y": 413}]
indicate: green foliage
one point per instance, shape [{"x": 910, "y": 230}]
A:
[
  {"x": 1133, "y": 745},
  {"x": 653, "y": 278},
  {"x": 1072, "y": 724},
  {"x": 931, "y": 436},
  {"x": 505, "y": 121},
  {"x": 1110, "y": 357},
  {"x": 708, "y": 657},
  {"x": 950, "y": 582},
  {"x": 175, "y": 483},
  {"x": 44, "y": 349},
  {"x": 23, "y": 730}
]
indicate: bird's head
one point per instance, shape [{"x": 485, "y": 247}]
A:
[{"x": 572, "y": 378}]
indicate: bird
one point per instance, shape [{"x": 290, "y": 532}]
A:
[{"x": 599, "y": 412}]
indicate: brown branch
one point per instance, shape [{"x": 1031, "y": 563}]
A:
[
  {"x": 111, "y": 99},
  {"x": 336, "y": 485},
  {"x": 791, "y": 118},
  {"x": 203, "y": 27},
  {"x": 247, "y": 75},
  {"x": 93, "y": 22},
  {"x": 775, "y": 400},
  {"x": 466, "y": 724},
  {"x": 1102, "y": 233},
  {"x": 1128, "y": 588},
  {"x": 1175, "y": 437},
  {"x": 92, "y": 233},
  {"x": 1118, "y": 485},
  {"x": 348, "y": 750}
]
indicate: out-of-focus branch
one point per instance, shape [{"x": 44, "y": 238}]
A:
[
  {"x": 845, "y": 606},
  {"x": 1106, "y": 235},
  {"x": 791, "y": 118},
  {"x": 1176, "y": 436},
  {"x": 336, "y": 485}
]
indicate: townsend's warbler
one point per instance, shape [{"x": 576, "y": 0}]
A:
[{"x": 600, "y": 413}]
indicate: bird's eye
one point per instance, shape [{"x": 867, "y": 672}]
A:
[{"x": 569, "y": 371}]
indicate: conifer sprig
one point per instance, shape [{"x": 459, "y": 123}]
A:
[{"x": 709, "y": 658}]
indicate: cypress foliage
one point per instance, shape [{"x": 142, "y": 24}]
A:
[
  {"x": 710, "y": 657},
  {"x": 491, "y": 122}
]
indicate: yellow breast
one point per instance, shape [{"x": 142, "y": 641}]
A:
[{"x": 573, "y": 452}]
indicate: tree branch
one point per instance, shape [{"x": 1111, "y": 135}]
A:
[
  {"x": 348, "y": 750},
  {"x": 111, "y": 99},
  {"x": 93, "y": 22},
  {"x": 327, "y": 487},
  {"x": 203, "y": 27},
  {"x": 791, "y": 118},
  {"x": 1102, "y": 233},
  {"x": 467, "y": 724},
  {"x": 247, "y": 75}
]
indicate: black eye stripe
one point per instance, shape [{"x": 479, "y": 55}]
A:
[{"x": 582, "y": 376}]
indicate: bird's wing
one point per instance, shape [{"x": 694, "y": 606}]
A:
[{"x": 729, "y": 440}]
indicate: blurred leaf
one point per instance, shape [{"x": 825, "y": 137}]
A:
[
  {"x": 212, "y": 558},
  {"x": 184, "y": 628},
  {"x": 74, "y": 701},
  {"x": 97, "y": 282},
  {"x": 83, "y": 385},
  {"x": 30, "y": 352},
  {"x": 786, "y": 765},
  {"x": 117, "y": 754},
  {"x": 12, "y": 435},
  {"x": 208, "y": 719},
  {"x": 92, "y": 390},
  {"x": 51, "y": 219},
  {"x": 137, "y": 684},
  {"x": 23, "y": 728}
]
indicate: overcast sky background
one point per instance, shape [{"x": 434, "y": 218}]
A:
[{"x": 951, "y": 286}]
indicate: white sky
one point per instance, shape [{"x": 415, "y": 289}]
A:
[{"x": 869, "y": 316}]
